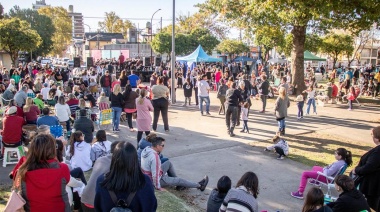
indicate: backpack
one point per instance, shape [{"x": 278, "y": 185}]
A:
[{"x": 121, "y": 204}]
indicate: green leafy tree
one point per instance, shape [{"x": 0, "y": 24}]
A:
[
  {"x": 299, "y": 15},
  {"x": 112, "y": 23},
  {"x": 204, "y": 38},
  {"x": 231, "y": 47},
  {"x": 336, "y": 45},
  {"x": 63, "y": 28},
  {"x": 41, "y": 23},
  {"x": 16, "y": 35},
  {"x": 162, "y": 43},
  {"x": 269, "y": 38},
  {"x": 1, "y": 11},
  {"x": 313, "y": 43}
]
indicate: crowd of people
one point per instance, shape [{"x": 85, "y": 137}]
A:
[{"x": 126, "y": 176}]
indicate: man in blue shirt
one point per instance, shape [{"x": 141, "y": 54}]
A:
[
  {"x": 134, "y": 80},
  {"x": 46, "y": 119}
]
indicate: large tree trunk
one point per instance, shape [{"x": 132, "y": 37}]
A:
[{"x": 299, "y": 37}]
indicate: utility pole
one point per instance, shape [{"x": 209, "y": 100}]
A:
[
  {"x": 173, "y": 56},
  {"x": 161, "y": 25}
]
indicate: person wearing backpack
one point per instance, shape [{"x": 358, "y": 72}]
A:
[
  {"x": 124, "y": 187},
  {"x": 101, "y": 147}
]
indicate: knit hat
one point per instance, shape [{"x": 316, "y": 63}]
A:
[
  {"x": 12, "y": 110},
  {"x": 299, "y": 98}
]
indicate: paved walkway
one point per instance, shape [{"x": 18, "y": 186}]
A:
[{"x": 199, "y": 145}]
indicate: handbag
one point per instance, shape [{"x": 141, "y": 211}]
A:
[{"x": 15, "y": 202}]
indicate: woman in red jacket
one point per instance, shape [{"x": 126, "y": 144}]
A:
[{"x": 43, "y": 178}]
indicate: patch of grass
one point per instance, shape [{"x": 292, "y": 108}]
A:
[
  {"x": 317, "y": 149},
  {"x": 168, "y": 202},
  {"x": 5, "y": 192}
]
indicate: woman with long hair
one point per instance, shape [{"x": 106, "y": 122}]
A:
[
  {"x": 125, "y": 178},
  {"x": 342, "y": 157},
  {"x": 130, "y": 104},
  {"x": 101, "y": 146},
  {"x": 281, "y": 110},
  {"x": 117, "y": 102},
  {"x": 62, "y": 111},
  {"x": 31, "y": 111},
  {"x": 43, "y": 178},
  {"x": 79, "y": 152},
  {"x": 160, "y": 103},
  {"x": 144, "y": 119},
  {"x": 244, "y": 196},
  {"x": 123, "y": 79},
  {"x": 314, "y": 201}
]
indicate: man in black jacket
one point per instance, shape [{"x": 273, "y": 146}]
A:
[
  {"x": 105, "y": 83},
  {"x": 233, "y": 99},
  {"x": 84, "y": 125},
  {"x": 263, "y": 91}
]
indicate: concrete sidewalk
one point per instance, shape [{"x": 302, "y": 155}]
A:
[{"x": 199, "y": 145}]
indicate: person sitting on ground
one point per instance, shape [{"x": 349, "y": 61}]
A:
[
  {"x": 19, "y": 112},
  {"x": 280, "y": 146},
  {"x": 350, "y": 199},
  {"x": 125, "y": 178},
  {"x": 103, "y": 101},
  {"x": 12, "y": 128},
  {"x": 244, "y": 196},
  {"x": 84, "y": 125},
  {"x": 101, "y": 147},
  {"x": 62, "y": 111},
  {"x": 79, "y": 152},
  {"x": 343, "y": 158},
  {"x": 145, "y": 142},
  {"x": 314, "y": 201},
  {"x": 39, "y": 102},
  {"x": 164, "y": 174},
  {"x": 218, "y": 194},
  {"x": 31, "y": 112},
  {"x": 43, "y": 177},
  {"x": 73, "y": 103},
  {"x": 46, "y": 119},
  {"x": 20, "y": 96},
  {"x": 101, "y": 166},
  {"x": 8, "y": 95}
]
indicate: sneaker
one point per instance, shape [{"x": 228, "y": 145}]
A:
[
  {"x": 280, "y": 157},
  {"x": 314, "y": 182},
  {"x": 208, "y": 114},
  {"x": 117, "y": 130},
  {"x": 262, "y": 111},
  {"x": 242, "y": 130},
  {"x": 203, "y": 183},
  {"x": 296, "y": 194},
  {"x": 232, "y": 134},
  {"x": 266, "y": 150},
  {"x": 349, "y": 109},
  {"x": 184, "y": 105},
  {"x": 202, "y": 113},
  {"x": 315, "y": 113}
]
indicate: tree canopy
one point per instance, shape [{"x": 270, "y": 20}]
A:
[
  {"x": 231, "y": 47},
  {"x": 336, "y": 45},
  {"x": 63, "y": 27},
  {"x": 296, "y": 15},
  {"x": 16, "y": 35},
  {"x": 112, "y": 23},
  {"x": 41, "y": 23}
]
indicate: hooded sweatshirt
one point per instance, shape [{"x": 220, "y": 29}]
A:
[
  {"x": 100, "y": 149},
  {"x": 215, "y": 200},
  {"x": 81, "y": 157},
  {"x": 45, "y": 189},
  {"x": 350, "y": 201},
  {"x": 151, "y": 165}
]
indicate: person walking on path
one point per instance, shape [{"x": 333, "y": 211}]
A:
[
  {"x": 144, "y": 119},
  {"x": 187, "y": 91},
  {"x": 263, "y": 91},
  {"x": 160, "y": 103},
  {"x": 310, "y": 100},
  {"x": 203, "y": 94},
  {"x": 117, "y": 102},
  {"x": 233, "y": 99},
  {"x": 130, "y": 97},
  {"x": 281, "y": 110},
  {"x": 222, "y": 96}
]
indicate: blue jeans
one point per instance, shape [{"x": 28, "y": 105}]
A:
[
  {"x": 300, "y": 109},
  {"x": 309, "y": 103},
  {"x": 281, "y": 125},
  {"x": 107, "y": 91},
  {"x": 116, "y": 117},
  {"x": 205, "y": 99}
]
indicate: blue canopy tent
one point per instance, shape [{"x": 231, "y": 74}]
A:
[{"x": 199, "y": 55}]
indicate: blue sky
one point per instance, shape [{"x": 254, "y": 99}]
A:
[{"x": 132, "y": 9}]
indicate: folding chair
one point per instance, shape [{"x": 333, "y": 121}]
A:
[
  {"x": 330, "y": 180},
  {"x": 56, "y": 131},
  {"x": 3, "y": 104}
]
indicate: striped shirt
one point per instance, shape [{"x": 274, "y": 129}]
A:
[{"x": 239, "y": 200}]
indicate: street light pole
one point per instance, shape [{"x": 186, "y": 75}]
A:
[
  {"x": 151, "y": 38},
  {"x": 89, "y": 28},
  {"x": 173, "y": 57}
]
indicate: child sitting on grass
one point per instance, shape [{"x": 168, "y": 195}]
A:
[{"x": 280, "y": 146}]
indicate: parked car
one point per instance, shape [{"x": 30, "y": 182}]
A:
[{"x": 70, "y": 64}]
